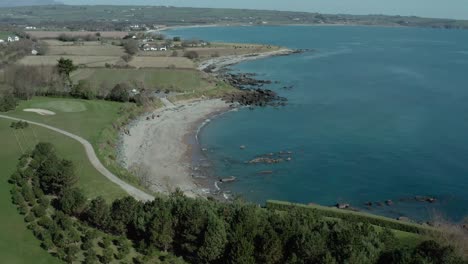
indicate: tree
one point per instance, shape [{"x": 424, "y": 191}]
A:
[
  {"x": 122, "y": 214},
  {"x": 65, "y": 67},
  {"x": 72, "y": 202},
  {"x": 126, "y": 57},
  {"x": 71, "y": 253},
  {"x": 120, "y": 93},
  {"x": 161, "y": 232},
  {"x": 98, "y": 213},
  {"x": 214, "y": 240},
  {"x": 131, "y": 46},
  {"x": 107, "y": 255},
  {"x": 191, "y": 54},
  {"x": 177, "y": 39},
  {"x": 91, "y": 257},
  {"x": 83, "y": 90},
  {"x": 7, "y": 102},
  {"x": 39, "y": 211},
  {"x": 56, "y": 175}
]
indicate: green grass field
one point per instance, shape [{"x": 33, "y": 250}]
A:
[
  {"x": 94, "y": 120},
  {"x": 4, "y": 35},
  {"x": 18, "y": 245},
  {"x": 174, "y": 80},
  {"x": 81, "y": 117}
]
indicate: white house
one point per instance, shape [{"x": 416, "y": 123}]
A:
[
  {"x": 34, "y": 52},
  {"x": 13, "y": 38},
  {"x": 163, "y": 49},
  {"x": 2, "y": 41}
]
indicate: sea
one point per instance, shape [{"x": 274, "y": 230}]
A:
[{"x": 373, "y": 114}]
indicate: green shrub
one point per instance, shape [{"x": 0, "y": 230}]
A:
[
  {"x": 29, "y": 218},
  {"x": 39, "y": 211}
]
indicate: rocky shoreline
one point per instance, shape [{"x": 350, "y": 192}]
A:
[{"x": 252, "y": 92}]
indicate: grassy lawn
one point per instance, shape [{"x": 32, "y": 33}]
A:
[
  {"x": 97, "y": 121},
  {"x": 81, "y": 117},
  {"x": 173, "y": 80},
  {"x": 18, "y": 244}
]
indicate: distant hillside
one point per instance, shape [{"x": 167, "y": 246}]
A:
[
  {"x": 105, "y": 18},
  {"x": 15, "y": 3}
]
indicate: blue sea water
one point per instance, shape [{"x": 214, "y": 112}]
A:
[{"x": 375, "y": 114}]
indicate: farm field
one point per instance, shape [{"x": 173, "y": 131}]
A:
[
  {"x": 86, "y": 49},
  {"x": 100, "y": 61},
  {"x": 54, "y": 34},
  {"x": 89, "y": 61},
  {"x": 171, "y": 79}
]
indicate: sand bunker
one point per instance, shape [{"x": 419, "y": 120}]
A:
[{"x": 39, "y": 111}]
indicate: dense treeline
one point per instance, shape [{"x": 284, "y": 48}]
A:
[
  {"x": 44, "y": 191},
  {"x": 355, "y": 217},
  {"x": 200, "y": 231}
]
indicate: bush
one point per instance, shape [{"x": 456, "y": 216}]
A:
[
  {"x": 131, "y": 46},
  {"x": 191, "y": 54},
  {"x": 120, "y": 93},
  {"x": 8, "y": 102},
  {"x": 83, "y": 90},
  {"x": 39, "y": 211},
  {"x": 29, "y": 218},
  {"x": 127, "y": 57}
]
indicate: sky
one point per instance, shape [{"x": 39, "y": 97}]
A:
[{"x": 427, "y": 8}]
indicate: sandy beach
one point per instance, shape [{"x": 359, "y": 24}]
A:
[{"x": 156, "y": 150}]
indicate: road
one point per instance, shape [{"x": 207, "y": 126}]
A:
[{"x": 131, "y": 190}]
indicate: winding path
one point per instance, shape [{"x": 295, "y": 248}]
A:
[{"x": 131, "y": 190}]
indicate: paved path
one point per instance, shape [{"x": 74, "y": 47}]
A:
[{"x": 136, "y": 193}]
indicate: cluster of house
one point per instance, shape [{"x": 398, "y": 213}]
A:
[
  {"x": 149, "y": 47},
  {"x": 10, "y": 39}
]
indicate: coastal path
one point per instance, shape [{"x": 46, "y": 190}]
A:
[{"x": 131, "y": 190}]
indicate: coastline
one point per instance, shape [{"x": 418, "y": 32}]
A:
[
  {"x": 214, "y": 65},
  {"x": 161, "y": 148},
  {"x": 159, "y": 152}
]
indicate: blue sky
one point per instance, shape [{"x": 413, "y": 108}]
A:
[{"x": 427, "y": 8}]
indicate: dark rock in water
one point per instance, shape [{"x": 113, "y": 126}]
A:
[
  {"x": 425, "y": 199},
  {"x": 265, "y": 172},
  {"x": 369, "y": 204},
  {"x": 256, "y": 97},
  {"x": 379, "y": 204},
  {"x": 342, "y": 206},
  {"x": 389, "y": 202},
  {"x": 265, "y": 160},
  {"x": 403, "y": 219},
  {"x": 228, "y": 179}
]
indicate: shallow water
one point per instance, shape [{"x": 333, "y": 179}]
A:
[{"x": 374, "y": 114}]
